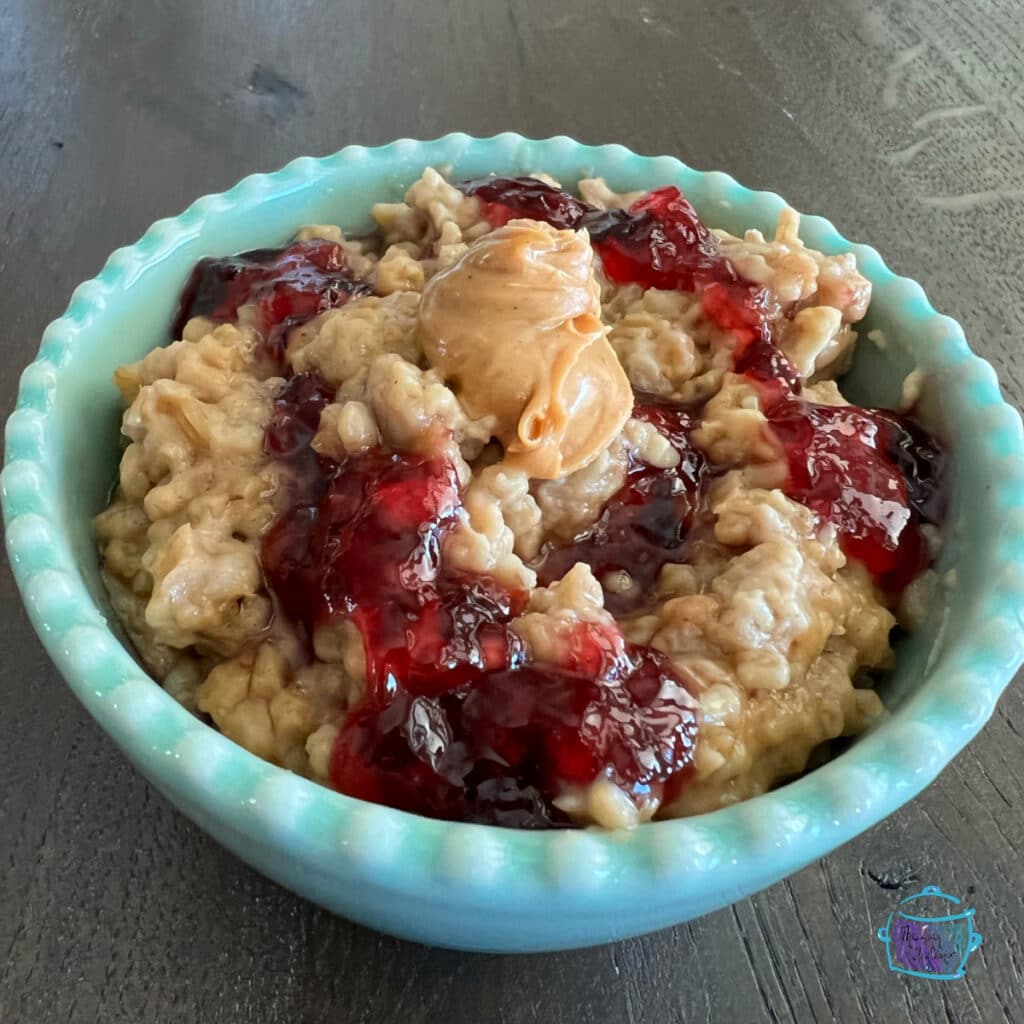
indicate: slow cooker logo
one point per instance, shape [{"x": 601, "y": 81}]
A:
[{"x": 927, "y": 936}]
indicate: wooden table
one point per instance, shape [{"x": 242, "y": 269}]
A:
[{"x": 903, "y": 122}]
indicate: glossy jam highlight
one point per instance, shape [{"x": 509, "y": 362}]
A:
[
  {"x": 645, "y": 524},
  {"x": 289, "y": 286}
]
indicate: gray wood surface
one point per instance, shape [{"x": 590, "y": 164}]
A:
[{"x": 903, "y": 122}]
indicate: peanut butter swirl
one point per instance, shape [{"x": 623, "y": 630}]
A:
[{"x": 515, "y": 329}]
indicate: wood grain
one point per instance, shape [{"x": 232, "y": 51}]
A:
[{"x": 903, "y": 122}]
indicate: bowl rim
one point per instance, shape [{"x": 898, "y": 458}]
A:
[{"x": 781, "y": 830}]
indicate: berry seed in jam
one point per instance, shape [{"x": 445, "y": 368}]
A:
[
  {"x": 644, "y": 525},
  {"x": 290, "y": 286}
]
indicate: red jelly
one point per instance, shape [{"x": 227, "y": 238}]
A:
[
  {"x": 381, "y": 524},
  {"x": 644, "y": 525},
  {"x": 872, "y": 474},
  {"x": 290, "y": 286},
  {"x": 296, "y": 416},
  {"x": 454, "y": 723},
  {"x": 287, "y": 437},
  {"x": 662, "y": 243},
  {"x": 366, "y": 542},
  {"x": 502, "y": 748},
  {"x": 505, "y": 199}
]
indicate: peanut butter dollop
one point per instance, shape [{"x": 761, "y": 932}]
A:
[{"x": 514, "y": 327}]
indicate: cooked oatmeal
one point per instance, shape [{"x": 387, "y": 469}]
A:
[{"x": 530, "y": 508}]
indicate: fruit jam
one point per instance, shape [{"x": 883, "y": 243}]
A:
[
  {"x": 875, "y": 476},
  {"x": 289, "y": 285},
  {"x": 644, "y": 525},
  {"x": 455, "y": 722},
  {"x": 502, "y": 747}
]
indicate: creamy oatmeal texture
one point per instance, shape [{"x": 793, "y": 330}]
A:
[{"x": 486, "y": 374}]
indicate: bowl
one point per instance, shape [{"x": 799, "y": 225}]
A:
[{"x": 473, "y": 886}]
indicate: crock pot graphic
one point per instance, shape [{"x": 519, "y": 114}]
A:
[{"x": 927, "y": 937}]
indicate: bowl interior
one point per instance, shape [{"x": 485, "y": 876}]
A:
[{"x": 84, "y": 431}]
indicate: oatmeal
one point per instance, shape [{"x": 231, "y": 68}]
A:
[{"x": 527, "y": 509}]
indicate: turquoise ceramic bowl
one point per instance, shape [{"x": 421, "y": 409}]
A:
[{"x": 472, "y": 886}]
